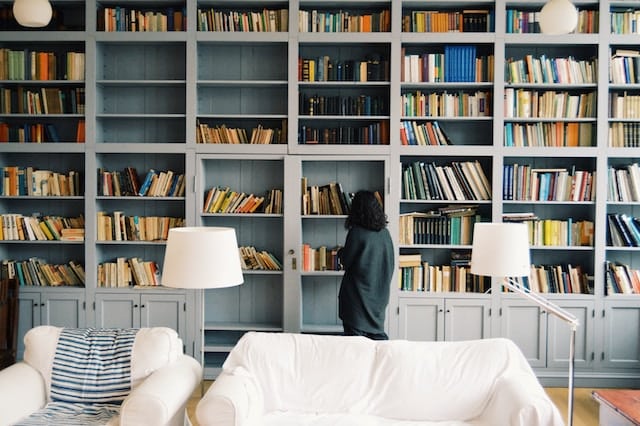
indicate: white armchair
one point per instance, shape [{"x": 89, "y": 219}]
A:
[{"x": 154, "y": 384}]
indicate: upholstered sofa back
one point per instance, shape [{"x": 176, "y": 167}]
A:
[
  {"x": 153, "y": 348},
  {"x": 394, "y": 379}
]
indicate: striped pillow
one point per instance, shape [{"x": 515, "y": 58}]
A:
[{"x": 92, "y": 365}]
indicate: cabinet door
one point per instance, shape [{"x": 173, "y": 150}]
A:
[
  {"x": 467, "y": 319},
  {"x": 63, "y": 309},
  {"x": 526, "y": 325},
  {"x": 117, "y": 310},
  {"x": 558, "y": 335},
  {"x": 421, "y": 319},
  {"x": 621, "y": 334},
  {"x": 164, "y": 310},
  {"x": 28, "y": 317}
]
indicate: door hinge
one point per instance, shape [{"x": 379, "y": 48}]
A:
[
  {"x": 397, "y": 310},
  {"x": 84, "y": 306},
  {"x": 184, "y": 306},
  {"x": 593, "y": 356}
]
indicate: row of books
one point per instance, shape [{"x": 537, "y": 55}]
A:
[
  {"x": 46, "y": 100},
  {"x": 17, "y": 227},
  {"x": 321, "y": 258},
  {"x": 554, "y": 232},
  {"x": 558, "y": 278},
  {"x": 624, "y": 67},
  {"x": 427, "y": 133},
  {"x": 438, "y": 227},
  {"x": 528, "y": 21},
  {"x": 318, "y": 21},
  {"x": 220, "y": 199},
  {"x": 624, "y": 105},
  {"x": 38, "y": 272},
  {"x": 447, "y": 104},
  {"x": 370, "y": 134},
  {"x": 624, "y": 230},
  {"x": 624, "y": 135},
  {"x": 39, "y": 133},
  {"x": 415, "y": 274},
  {"x": 460, "y": 180},
  {"x": 128, "y": 272},
  {"x": 156, "y": 183},
  {"x": 624, "y": 20},
  {"x": 27, "y": 64},
  {"x": 523, "y": 182},
  {"x": 323, "y": 68},
  {"x": 252, "y": 259},
  {"x": 440, "y": 21},
  {"x": 120, "y": 18},
  {"x": 327, "y": 199},
  {"x": 29, "y": 181},
  {"x": 621, "y": 278},
  {"x": 546, "y": 70},
  {"x": 265, "y": 20},
  {"x": 116, "y": 226},
  {"x": 223, "y": 134},
  {"x": 456, "y": 64},
  {"x": 551, "y": 134},
  {"x": 524, "y": 103},
  {"x": 343, "y": 105},
  {"x": 624, "y": 183}
]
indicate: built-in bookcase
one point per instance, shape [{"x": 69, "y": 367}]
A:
[
  {"x": 258, "y": 303},
  {"x": 258, "y": 107}
]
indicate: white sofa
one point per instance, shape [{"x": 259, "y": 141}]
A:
[
  {"x": 162, "y": 380},
  {"x": 281, "y": 379}
]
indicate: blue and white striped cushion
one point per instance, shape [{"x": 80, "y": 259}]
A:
[{"x": 92, "y": 365}]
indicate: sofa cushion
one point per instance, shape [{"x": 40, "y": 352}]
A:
[
  {"x": 307, "y": 372},
  {"x": 466, "y": 369}
]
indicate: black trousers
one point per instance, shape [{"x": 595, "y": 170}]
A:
[{"x": 352, "y": 331}]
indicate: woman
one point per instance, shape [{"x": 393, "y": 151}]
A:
[{"x": 368, "y": 261}]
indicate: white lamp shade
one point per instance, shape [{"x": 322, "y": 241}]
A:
[
  {"x": 558, "y": 17},
  {"x": 32, "y": 13},
  {"x": 201, "y": 257},
  {"x": 500, "y": 250}
]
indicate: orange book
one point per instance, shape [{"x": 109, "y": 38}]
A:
[
  {"x": 80, "y": 132},
  {"x": 43, "y": 66},
  {"x": 366, "y": 23},
  {"x": 572, "y": 134}
]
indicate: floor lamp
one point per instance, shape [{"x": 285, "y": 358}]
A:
[
  {"x": 201, "y": 258},
  {"x": 501, "y": 250}
]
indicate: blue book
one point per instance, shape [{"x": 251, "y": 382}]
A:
[{"x": 147, "y": 182}]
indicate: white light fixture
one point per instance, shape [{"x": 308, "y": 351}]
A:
[
  {"x": 201, "y": 258},
  {"x": 501, "y": 250},
  {"x": 32, "y": 13},
  {"x": 558, "y": 17}
]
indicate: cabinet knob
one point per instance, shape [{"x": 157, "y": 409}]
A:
[
  {"x": 135, "y": 305},
  {"x": 142, "y": 306}
]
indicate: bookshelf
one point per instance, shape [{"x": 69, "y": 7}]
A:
[{"x": 242, "y": 109}]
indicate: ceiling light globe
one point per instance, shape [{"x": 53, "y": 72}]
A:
[
  {"x": 32, "y": 13},
  {"x": 558, "y": 17}
]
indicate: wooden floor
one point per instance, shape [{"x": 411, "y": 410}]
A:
[{"x": 585, "y": 409}]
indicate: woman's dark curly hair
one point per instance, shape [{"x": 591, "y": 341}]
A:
[{"x": 366, "y": 212}]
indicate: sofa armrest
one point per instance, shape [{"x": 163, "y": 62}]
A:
[
  {"x": 234, "y": 399},
  {"x": 162, "y": 397},
  {"x": 23, "y": 392},
  {"x": 519, "y": 400}
]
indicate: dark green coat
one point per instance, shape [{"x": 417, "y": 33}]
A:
[{"x": 368, "y": 260}]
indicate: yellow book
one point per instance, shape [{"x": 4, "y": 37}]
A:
[{"x": 46, "y": 230}]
